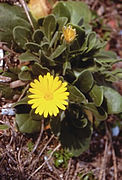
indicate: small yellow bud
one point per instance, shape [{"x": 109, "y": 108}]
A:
[{"x": 69, "y": 33}]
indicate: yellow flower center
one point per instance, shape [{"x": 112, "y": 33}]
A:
[{"x": 48, "y": 96}]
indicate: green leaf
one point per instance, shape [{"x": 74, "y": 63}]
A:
[
  {"x": 75, "y": 95},
  {"x": 38, "y": 36},
  {"x": 61, "y": 22},
  {"x": 25, "y": 75},
  {"x": 91, "y": 41},
  {"x": 26, "y": 124},
  {"x": 35, "y": 117},
  {"x": 33, "y": 47},
  {"x": 58, "y": 51},
  {"x": 49, "y": 25},
  {"x": 85, "y": 81},
  {"x": 21, "y": 36},
  {"x": 27, "y": 56},
  {"x": 98, "y": 112},
  {"x": 10, "y": 17},
  {"x": 4, "y": 127},
  {"x": 74, "y": 139},
  {"x": 113, "y": 100},
  {"x": 80, "y": 38},
  {"x": 106, "y": 56},
  {"x": 38, "y": 69},
  {"x": 6, "y": 91},
  {"x": 61, "y": 10},
  {"x": 12, "y": 75},
  {"x": 78, "y": 11},
  {"x": 97, "y": 95}
]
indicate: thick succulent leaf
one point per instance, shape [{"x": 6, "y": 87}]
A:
[
  {"x": 58, "y": 51},
  {"x": 28, "y": 56},
  {"x": 73, "y": 11},
  {"x": 21, "y": 36},
  {"x": 6, "y": 91},
  {"x": 54, "y": 39},
  {"x": 38, "y": 69},
  {"x": 80, "y": 38},
  {"x": 73, "y": 138},
  {"x": 38, "y": 36},
  {"x": 85, "y": 81},
  {"x": 35, "y": 117},
  {"x": 97, "y": 95},
  {"x": 98, "y": 112},
  {"x": 105, "y": 56},
  {"x": 25, "y": 75},
  {"x": 33, "y": 47},
  {"x": 62, "y": 22},
  {"x": 46, "y": 60},
  {"x": 113, "y": 100},
  {"x": 61, "y": 10},
  {"x": 10, "y": 17},
  {"x": 75, "y": 95},
  {"x": 26, "y": 124},
  {"x": 78, "y": 11},
  {"x": 49, "y": 25}
]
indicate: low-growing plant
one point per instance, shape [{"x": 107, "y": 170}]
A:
[{"x": 70, "y": 70}]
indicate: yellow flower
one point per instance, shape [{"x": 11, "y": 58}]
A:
[
  {"x": 48, "y": 95},
  {"x": 69, "y": 33}
]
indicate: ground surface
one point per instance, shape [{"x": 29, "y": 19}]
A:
[{"x": 24, "y": 156}]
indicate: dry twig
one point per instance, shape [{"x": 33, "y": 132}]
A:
[
  {"x": 40, "y": 136},
  {"x": 113, "y": 153},
  {"x": 57, "y": 147},
  {"x": 68, "y": 169},
  {"x": 22, "y": 2},
  {"x": 104, "y": 160},
  {"x": 43, "y": 149}
]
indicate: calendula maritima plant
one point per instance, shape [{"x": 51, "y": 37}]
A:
[{"x": 69, "y": 72}]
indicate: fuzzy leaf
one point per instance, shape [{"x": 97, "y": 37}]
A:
[
  {"x": 113, "y": 100},
  {"x": 26, "y": 124},
  {"x": 76, "y": 95},
  {"x": 58, "y": 51},
  {"x": 49, "y": 26},
  {"x": 25, "y": 75},
  {"x": 97, "y": 95},
  {"x": 61, "y": 22},
  {"x": 38, "y": 36},
  {"x": 10, "y": 17},
  {"x": 98, "y": 112},
  {"x": 106, "y": 56},
  {"x": 85, "y": 81},
  {"x": 38, "y": 69},
  {"x": 73, "y": 138},
  {"x": 33, "y": 47},
  {"x": 61, "y": 10},
  {"x": 6, "y": 91},
  {"x": 27, "y": 56},
  {"x": 21, "y": 36}
]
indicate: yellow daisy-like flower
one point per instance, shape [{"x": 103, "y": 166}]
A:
[
  {"x": 48, "y": 95},
  {"x": 69, "y": 33}
]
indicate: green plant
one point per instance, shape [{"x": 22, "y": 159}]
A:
[
  {"x": 82, "y": 63},
  {"x": 61, "y": 158}
]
